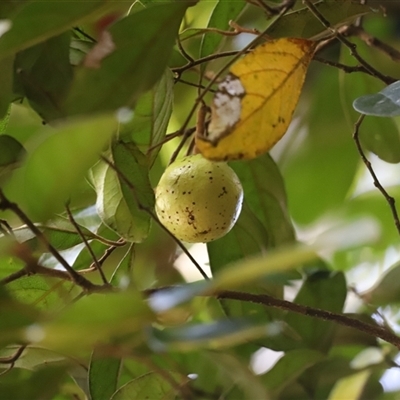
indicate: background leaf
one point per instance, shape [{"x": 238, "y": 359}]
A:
[
  {"x": 123, "y": 76},
  {"x": 30, "y": 22},
  {"x": 103, "y": 376},
  {"x": 54, "y": 161}
]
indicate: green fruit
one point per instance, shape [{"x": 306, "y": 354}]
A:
[{"x": 198, "y": 200}]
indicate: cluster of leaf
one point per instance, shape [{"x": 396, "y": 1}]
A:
[{"x": 137, "y": 330}]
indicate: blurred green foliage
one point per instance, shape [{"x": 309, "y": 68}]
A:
[{"x": 101, "y": 305}]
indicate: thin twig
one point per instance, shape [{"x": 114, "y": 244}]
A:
[
  {"x": 351, "y": 46},
  {"x": 183, "y": 51},
  {"x": 5, "y": 204},
  {"x": 189, "y": 65},
  {"x": 14, "y": 357},
  {"x": 86, "y": 242},
  {"x": 346, "y": 68},
  {"x": 7, "y": 230},
  {"x": 86, "y": 35},
  {"x": 154, "y": 217},
  {"x": 390, "y": 200},
  {"x": 101, "y": 260}
]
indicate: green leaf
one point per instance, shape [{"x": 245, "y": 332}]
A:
[
  {"x": 44, "y": 383},
  {"x": 386, "y": 290},
  {"x": 124, "y": 268},
  {"x": 324, "y": 290},
  {"x": 103, "y": 376},
  {"x": 379, "y": 135},
  {"x": 11, "y": 151},
  {"x": 59, "y": 232},
  {"x": 32, "y": 24},
  {"x": 235, "y": 375},
  {"x": 97, "y": 319},
  {"x": 317, "y": 179},
  {"x": 139, "y": 195},
  {"x": 149, "y": 386},
  {"x": 130, "y": 70},
  {"x": 120, "y": 206},
  {"x": 150, "y": 119},
  {"x": 32, "y": 357},
  {"x": 43, "y": 293},
  {"x": 15, "y": 317},
  {"x": 264, "y": 222},
  {"x": 4, "y": 120},
  {"x": 223, "y": 12},
  {"x": 214, "y": 335},
  {"x": 44, "y": 74},
  {"x": 51, "y": 172},
  {"x": 302, "y": 22},
  {"x": 252, "y": 269},
  {"x": 289, "y": 368},
  {"x": 265, "y": 194},
  {"x": 361, "y": 206},
  {"x": 6, "y": 88},
  {"x": 350, "y": 387},
  {"x": 385, "y": 103}
]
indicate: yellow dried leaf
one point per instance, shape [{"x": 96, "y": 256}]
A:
[{"x": 253, "y": 106}]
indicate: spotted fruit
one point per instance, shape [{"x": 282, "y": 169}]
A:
[{"x": 198, "y": 200}]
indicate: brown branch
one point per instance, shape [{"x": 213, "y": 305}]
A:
[
  {"x": 377, "y": 44},
  {"x": 270, "y": 301},
  {"x": 390, "y": 200},
  {"x": 341, "y": 319}
]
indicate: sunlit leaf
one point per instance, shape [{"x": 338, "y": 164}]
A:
[
  {"x": 51, "y": 172},
  {"x": 253, "y": 268},
  {"x": 350, "y": 387},
  {"x": 253, "y": 106}
]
